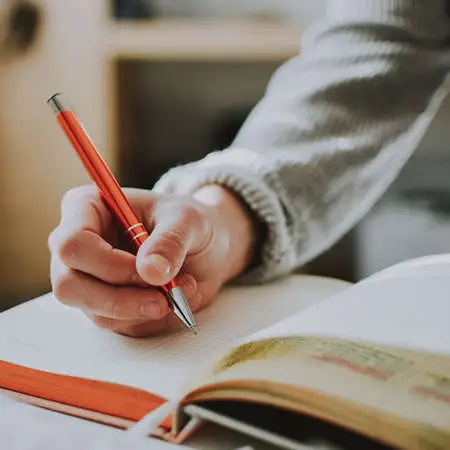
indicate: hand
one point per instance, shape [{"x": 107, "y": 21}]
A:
[{"x": 202, "y": 240}]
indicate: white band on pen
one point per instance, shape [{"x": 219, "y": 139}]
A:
[
  {"x": 142, "y": 233},
  {"x": 135, "y": 226}
]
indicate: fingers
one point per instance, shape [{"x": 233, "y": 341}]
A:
[
  {"x": 145, "y": 328},
  {"x": 136, "y": 329},
  {"x": 87, "y": 252},
  {"x": 76, "y": 289},
  {"x": 89, "y": 273},
  {"x": 82, "y": 208},
  {"x": 178, "y": 231},
  {"x": 79, "y": 240}
]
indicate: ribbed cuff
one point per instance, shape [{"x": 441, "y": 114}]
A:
[{"x": 276, "y": 253}]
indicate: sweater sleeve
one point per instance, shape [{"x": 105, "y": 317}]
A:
[{"x": 336, "y": 125}]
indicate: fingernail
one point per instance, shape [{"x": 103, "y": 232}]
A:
[
  {"x": 151, "y": 309},
  {"x": 159, "y": 263}
]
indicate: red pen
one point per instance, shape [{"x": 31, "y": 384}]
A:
[{"x": 114, "y": 197}]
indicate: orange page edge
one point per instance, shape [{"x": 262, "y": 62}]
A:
[{"x": 100, "y": 401}]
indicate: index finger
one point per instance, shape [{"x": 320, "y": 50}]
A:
[
  {"x": 81, "y": 239},
  {"x": 78, "y": 214},
  {"x": 83, "y": 208}
]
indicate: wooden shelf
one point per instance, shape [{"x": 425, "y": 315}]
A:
[
  {"x": 85, "y": 69},
  {"x": 203, "y": 40}
]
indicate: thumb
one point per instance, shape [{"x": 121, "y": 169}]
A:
[{"x": 162, "y": 255}]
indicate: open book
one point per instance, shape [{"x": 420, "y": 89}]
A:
[{"x": 299, "y": 360}]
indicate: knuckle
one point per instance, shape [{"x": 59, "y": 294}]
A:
[
  {"x": 78, "y": 193},
  {"x": 104, "y": 323},
  {"x": 69, "y": 247},
  {"x": 112, "y": 305},
  {"x": 120, "y": 272},
  {"x": 176, "y": 237},
  {"x": 115, "y": 306},
  {"x": 63, "y": 288},
  {"x": 71, "y": 195},
  {"x": 53, "y": 239},
  {"x": 172, "y": 242},
  {"x": 191, "y": 215},
  {"x": 196, "y": 218},
  {"x": 111, "y": 273},
  {"x": 161, "y": 310}
]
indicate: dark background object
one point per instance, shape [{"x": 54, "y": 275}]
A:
[
  {"x": 20, "y": 25},
  {"x": 300, "y": 428},
  {"x": 133, "y": 9}
]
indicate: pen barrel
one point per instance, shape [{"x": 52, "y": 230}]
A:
[
  {"x": 99, "y": 171},
  {"x": 113, "y": 195},
  {"x": 137, "y": 233}
]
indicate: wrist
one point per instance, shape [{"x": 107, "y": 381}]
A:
[{"x": 242, "y": 226}]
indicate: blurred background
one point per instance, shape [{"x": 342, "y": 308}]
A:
[{"x": 159, "y": 83}]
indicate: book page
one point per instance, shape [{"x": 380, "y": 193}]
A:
[
  {"x": 424, "y": 266},
  {"x": 45, "y": 335},
  {"x": 402, "y": 311},
  {"x": 398, "y": 395},
  {"x": 383, "y": 344}
]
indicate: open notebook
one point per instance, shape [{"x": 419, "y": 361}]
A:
[{"x": 369, "y": 367}]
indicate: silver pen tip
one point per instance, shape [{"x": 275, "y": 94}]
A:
[{"x": 181, "y": 307}]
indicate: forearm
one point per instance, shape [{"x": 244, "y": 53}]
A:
[{"x": 335, "y": 127}]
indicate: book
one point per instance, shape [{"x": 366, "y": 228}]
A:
[
  {"x": 52, "y": 339},
  {"x": 354, "y": 366}
]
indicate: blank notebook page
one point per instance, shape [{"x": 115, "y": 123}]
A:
[
  {"x": 45, "y": 335},
  {"x": 403, "y": 311}
]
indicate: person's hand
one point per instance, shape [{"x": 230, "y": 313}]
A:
[{"x": 202, "y": 241}]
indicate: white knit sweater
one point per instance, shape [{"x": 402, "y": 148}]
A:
[{"x": 336, "y": 125}]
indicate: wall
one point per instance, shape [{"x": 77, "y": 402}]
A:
[
  {"x": 176, "y": 111},
  {"x": 38, "y": 164}
]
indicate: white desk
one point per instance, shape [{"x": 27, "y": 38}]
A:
[
  {"x": 28, "y": 428},
  {"x": 46, "y": 429}
]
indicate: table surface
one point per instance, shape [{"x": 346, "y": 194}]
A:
[{"x": 46, "y": 429}]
